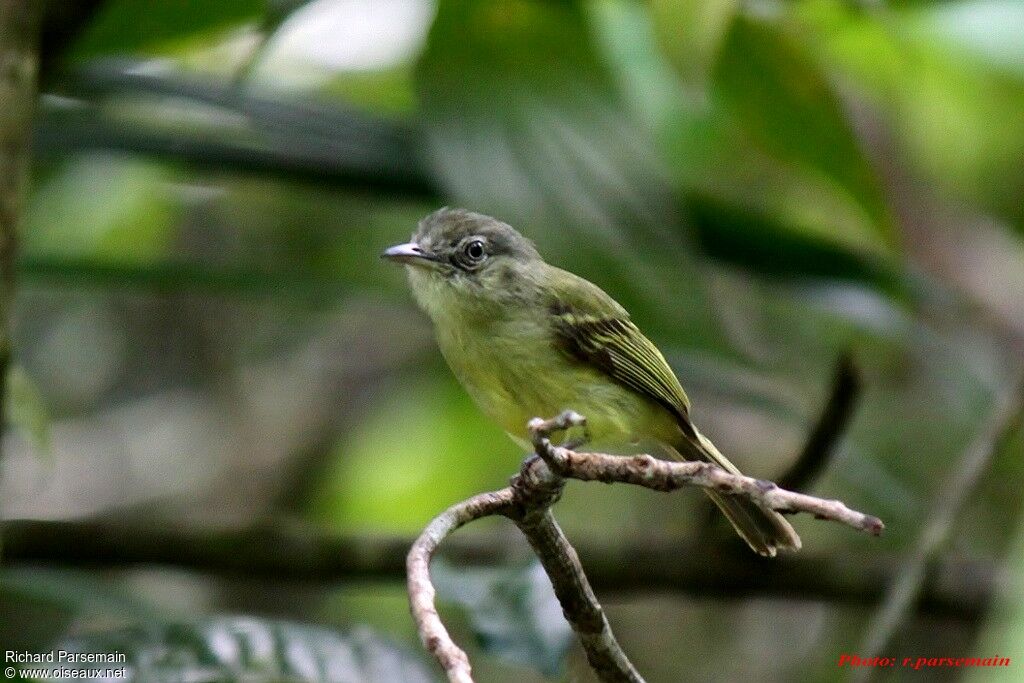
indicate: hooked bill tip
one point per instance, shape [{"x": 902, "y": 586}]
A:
[{"x": 410, "y": 252}]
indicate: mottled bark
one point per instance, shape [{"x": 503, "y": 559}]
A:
[{"x": 19, "y": 64}]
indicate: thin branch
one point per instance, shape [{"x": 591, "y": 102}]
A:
[
  {"x": 537, "y": 488},
  {"x": 320, "y": 142},
  {"x": 663, "y": 475},
  {"x": 174, "y": 277},
  {"x": 906, "y": 587},
  {"x": 345, "y": 163},
  {"x": 527, "y": 502},
  {"x": 831, "y": 425},
  {"x": 421, "y": 591}
]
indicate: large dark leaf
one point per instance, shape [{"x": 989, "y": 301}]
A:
[
  {"x": 779, "y": 95},
  {"x": 761, "y": 242},
  {"x": 513, "y": 611},
  {"x": 243, "y": 649},
  {"x": 773, "y": 175}
]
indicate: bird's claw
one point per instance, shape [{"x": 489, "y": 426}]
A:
[{"x": 543, "y": 429}]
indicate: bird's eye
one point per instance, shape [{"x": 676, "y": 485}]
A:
[{"x": 474, "y": 251}]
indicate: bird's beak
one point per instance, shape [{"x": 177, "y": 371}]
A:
[{"x": 410, "y": 253}]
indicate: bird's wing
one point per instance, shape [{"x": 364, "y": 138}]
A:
[{"x": 591, "y": 327}]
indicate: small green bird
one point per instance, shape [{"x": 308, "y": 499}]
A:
[{"x": 527, "y": 339}]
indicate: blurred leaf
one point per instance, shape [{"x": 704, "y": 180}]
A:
[
  {"x": 105, "y": 207},
  {"x": 495, "y": 92},
  {"x": 773, "y": 176},
  {"x": 746, "y": 205},
  {"x": 27, "y": 410},
  {"x": 277, "y": 11},
  {"x": 523, "y": 121},
  {"x": 767, "y": 214},
  {"x": 958, "y": 123},
  {"x": 412, "y": 455},
  {"x": 690, "y": 32},
  {"x": 764, "y": 242},
  {"x": 129, "y": 27},
  {"x": 626, "y": 37},
  {"x": 389, "y": 91},
  {"x": 247, "y": 649},
  {"x": 39, "y": 604},
  {"x": 777, "y": 92},
  {"x": 513, "y": 611},
  {"x": 990, "y": 30}
]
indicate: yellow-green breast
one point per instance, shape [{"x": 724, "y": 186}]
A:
[{"x": 514, "y": 371}]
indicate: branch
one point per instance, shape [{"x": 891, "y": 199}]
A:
[
  {"x": 19, "y": 63},
  {"x": 318, "y": 142},
  {"x": 831, "y": 425},
  {"x": 663, "y": 475},
  {"x": 338, "y": 163},
  {"x": 535, "y": 489},
  {"x": 175, "y": 277},
  {"x": 527, "y": 502},
  {"x": 421, "y": 591},
  {"x": 906, "y": 587},
  {"x": 953, "y": 588}
]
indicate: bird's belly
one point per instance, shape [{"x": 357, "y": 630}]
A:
[{"x": 513, "y": 382}]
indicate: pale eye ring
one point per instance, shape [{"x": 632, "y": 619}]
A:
[{"x": 474, "y": 251}]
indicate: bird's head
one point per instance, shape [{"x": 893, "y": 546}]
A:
[{"x": 462, "y": 261}]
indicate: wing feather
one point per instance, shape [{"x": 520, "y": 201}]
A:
[{"x": 590, "y": 327}]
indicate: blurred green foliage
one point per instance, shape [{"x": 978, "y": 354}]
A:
[
  {"x": 26, "y": 409},
  {"x": 104, "y": 209},
  {"x": 123, "y": 27},
  {"x": 205, "y": 332},
  {"x": 385, "y": 452}
]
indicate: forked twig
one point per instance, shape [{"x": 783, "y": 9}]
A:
[{"x": 527, "y": 502}]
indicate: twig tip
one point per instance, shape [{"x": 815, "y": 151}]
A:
[{"x": 541, "y": 428}]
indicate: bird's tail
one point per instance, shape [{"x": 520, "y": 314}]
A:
[{"x": 764, "y": 531}]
